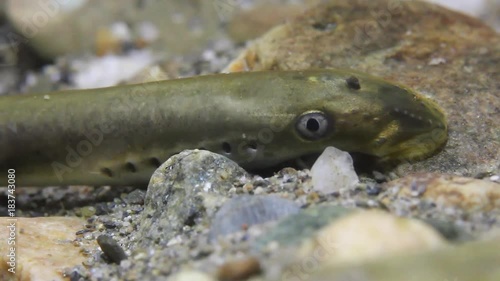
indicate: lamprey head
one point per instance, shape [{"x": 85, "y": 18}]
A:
[{"x": 356, "y": 112}]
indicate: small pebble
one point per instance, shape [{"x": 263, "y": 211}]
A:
[
  {"x": 136, "y": 197},
  {"x": 333, "y": 171},
  {"x": 239, "y": 269},
  {"x": 191, "y": 276},
  {"x": 379, "y": 177},
  {"x": 111, "y": 249},
  {"x": 373, "y": 189},
  {"x": 87, "y": 211}
]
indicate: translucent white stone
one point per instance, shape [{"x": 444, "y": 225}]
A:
[{"x": 333, "y": 171}]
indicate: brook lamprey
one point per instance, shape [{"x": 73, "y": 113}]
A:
[{"x": 120, "y": 135}]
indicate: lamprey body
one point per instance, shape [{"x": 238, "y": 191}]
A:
[{"x": 120, "y": 135}]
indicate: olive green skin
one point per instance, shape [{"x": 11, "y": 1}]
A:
[{"x": 119, "y": 135}]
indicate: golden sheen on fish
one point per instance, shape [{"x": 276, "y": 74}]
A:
[{"x": 120, "y": 135}]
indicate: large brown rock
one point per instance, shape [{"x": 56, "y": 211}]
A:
[{"x": 447, "y": 56}]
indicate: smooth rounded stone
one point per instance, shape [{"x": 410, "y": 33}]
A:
[
  {"x": 333, "y": 171},
  {"x": 135, "y": 197},
  {"x": 448, "y": 190},
  {"x": 186, "y": 190},
  {"x": 467, "y": 262},
  {"x": 297, "y": 227},
  {"x": 241, "y": 269},
  {"x": 383, "y": 39},
  {"x": 246, "y": 210},
  {"x": 369, "y": 235},
  {"x": 111, "y": 249},
  {"x": 191, "y": 275}
]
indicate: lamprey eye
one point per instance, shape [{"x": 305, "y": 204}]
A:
[{"x": 312, "y": 125}]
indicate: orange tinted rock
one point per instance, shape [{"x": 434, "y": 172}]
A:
[
  {"x": 448, "y": 190},
  {"x": 44, "y": 247}
]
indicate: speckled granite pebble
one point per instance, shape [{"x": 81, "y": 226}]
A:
[{"x": 185, "y": 191}]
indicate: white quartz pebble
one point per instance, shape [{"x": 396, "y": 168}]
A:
[{"x": 333, "y": 171}]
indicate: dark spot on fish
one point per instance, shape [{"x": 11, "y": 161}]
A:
[
  {"x": 353, "y": 83},
  {"x": 155, "y": 162},
  {"x": 130, "y": 167},
  {"x": 226, "y": 147},
  {"x": 252, "y": 145},
  {"x": 107, "y": 172}
]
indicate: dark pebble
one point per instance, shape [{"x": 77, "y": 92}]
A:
[
  {"x": 379, "y": 177},
  {"x": 110, "y": 224},
  {"x": 111, "y": 249},
  {"x": 102, "y": 208}
]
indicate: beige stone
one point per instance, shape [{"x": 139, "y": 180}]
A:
[
  {"x": 468, "y": 262},
  {"x": 44, "y": 247},
  {"x": 448, "y": 190},
  {"x": 369, "y": 235},
  {"x": 189, "y": 275}
]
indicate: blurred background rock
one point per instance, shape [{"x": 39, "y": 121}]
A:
[{"x": 91, "y": 43}]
